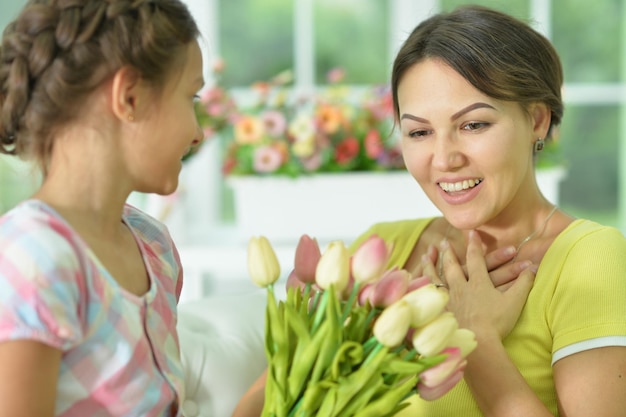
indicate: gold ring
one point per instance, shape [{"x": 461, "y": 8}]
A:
[{"x": 440, "y": 285}]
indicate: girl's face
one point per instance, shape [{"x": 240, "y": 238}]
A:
[
  {"x": 470, "y": 153},
  {"x": 170, "y": 129}
]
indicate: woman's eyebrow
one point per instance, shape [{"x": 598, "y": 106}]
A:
[{"x": 469, "y": 108}]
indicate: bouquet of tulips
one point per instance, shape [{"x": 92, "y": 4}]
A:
[{"x": 353, "y": 338}]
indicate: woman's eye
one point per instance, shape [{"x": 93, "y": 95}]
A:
[
  {"x": 474, "y": 125},
  {"x": 418, "y": 133}
]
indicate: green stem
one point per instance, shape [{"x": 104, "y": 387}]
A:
[
  {"x": 351, "y": 299},
  {"x": 320, "y": 310},
  {"x": 374, "y": 351}
]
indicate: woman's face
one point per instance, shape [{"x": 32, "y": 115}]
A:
[{"x": 470, "y": 153}]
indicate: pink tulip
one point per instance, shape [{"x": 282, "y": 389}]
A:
[
  {"x": 294, "y": 282},
  {"x": 390, "y": 288},
  {"x": 417, "y": 283},
  {"x": 438, "y": 374},
  {"x": 370, "y": 259},
  {"x": 430, "y": 394},
  {"x": 307, "y": 256}
]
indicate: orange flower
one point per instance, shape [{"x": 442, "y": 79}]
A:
[
  {"x": 248, "y": 129},
  {"x": 329, "y": 118}
]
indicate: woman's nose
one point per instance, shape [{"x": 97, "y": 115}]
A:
[{"x": 447, "y": 155}]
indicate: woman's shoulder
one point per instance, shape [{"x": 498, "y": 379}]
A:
[
  {"x": 394, "y": 232},
  {"x": 589, "y": 232}
]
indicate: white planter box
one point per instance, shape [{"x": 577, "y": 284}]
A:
[{"x": 336, "y": 206}]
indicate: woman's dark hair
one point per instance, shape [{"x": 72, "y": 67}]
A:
[
  {"x": 57, "y": 52},
  {"x": 501, "y": 56}
]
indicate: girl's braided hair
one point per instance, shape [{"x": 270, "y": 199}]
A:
[{"x": 57, "y": 52}]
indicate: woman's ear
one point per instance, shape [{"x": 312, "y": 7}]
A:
[
  {"x": 541, "y": 117},
  {"x": 125, "y": 93}
]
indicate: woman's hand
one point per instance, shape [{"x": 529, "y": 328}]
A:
[
  {"x": 502, "y": 271},
  {"x": 474, "y": 298}
]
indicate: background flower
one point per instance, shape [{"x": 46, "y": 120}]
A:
[{"x": 335, "y": 129}]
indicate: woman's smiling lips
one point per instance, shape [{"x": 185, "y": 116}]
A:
[{"x": 459, "y": 192}]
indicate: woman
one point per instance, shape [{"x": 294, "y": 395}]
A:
[
  {"x": 101, "y": 95},
  {"x": 476, "y": 94}
]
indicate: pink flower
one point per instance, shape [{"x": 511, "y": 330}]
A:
[
  {"x": 438, "y": 380},
  {"x": 373, "y": 144},
  {"x": 275, "y": 123},
  {"x": 307, "y": 256},
  {"x": 370, "y": 259},
  {"x": 417, "y": 283},
  {"x": 386, "y": 291},
  {"x": 335, "y": 75},
  {"x": 267, "y": 159}
]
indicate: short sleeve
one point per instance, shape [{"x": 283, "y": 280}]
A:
[
  {"x": 40, "y": 280},
  {"x": 590, "y": 296}
]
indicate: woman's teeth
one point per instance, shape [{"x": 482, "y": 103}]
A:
[{"x": 459, "y": 186}]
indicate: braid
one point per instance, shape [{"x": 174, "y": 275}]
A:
[{"x": 57, "y": 52}]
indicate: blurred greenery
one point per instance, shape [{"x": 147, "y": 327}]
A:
[{"x": 365, "y": 61}]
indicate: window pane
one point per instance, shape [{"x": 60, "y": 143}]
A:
[
  {"x": 256, "y": 39},
  {"x": 589, "y": 138},
  {"x": 589, "y": 39},
  {"x": 353, "y": 35},
  {"x": 517, "y": 8}
]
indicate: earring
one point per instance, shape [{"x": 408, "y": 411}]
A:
[
  {"x": 131, "y": 117},
  {"x": 539, "y": 144}
]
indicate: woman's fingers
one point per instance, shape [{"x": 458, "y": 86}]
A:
[
  {"x": 499, "y": 257},
  {"x": 476, "y": 264},
  {"x": 507, "y": 273},
  {"x": 453, "y": 272}
]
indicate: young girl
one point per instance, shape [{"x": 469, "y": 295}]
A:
[{"x": 101, "y": 95}]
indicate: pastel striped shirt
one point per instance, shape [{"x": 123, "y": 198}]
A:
[{"x": 120, "y": 352}]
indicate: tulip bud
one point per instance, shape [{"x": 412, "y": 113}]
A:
[
  {"x": 427, "y": 302},
  {"x": 390, "y": 288},
  {"x": 263, "y": 265},
  {"x": 439, "y": 373},
  {"x": 393, "y": 323},
  {"x": 433, "y": 337},
  {"x": 333, "y": 267},
  {"x": 417, "y": 283},
  {"x": 465, "y": 340},
  {"x": 370, "y": 259},
  {"x": 430, "y": 394},
  {"x": 307, "y": 256}
]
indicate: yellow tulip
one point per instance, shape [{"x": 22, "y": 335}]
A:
[
  {"x": 392, "y": 325},
  {"x": 263, "y": 265},
  {"x": 431, "y": 339},
  {"x": 333, "y": 267},
  {"x": 465, "y": 340},
  {"x": 427, "y": 302}
]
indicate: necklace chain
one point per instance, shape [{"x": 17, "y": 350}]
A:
[
  {"x": 539, "y": 231},
  {"x": 533, "y": 234}
]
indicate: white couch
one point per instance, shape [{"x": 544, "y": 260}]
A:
[{"x": 222, "y": 349}]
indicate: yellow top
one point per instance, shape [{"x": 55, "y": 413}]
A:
[{"x": 578, "y": 302}]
